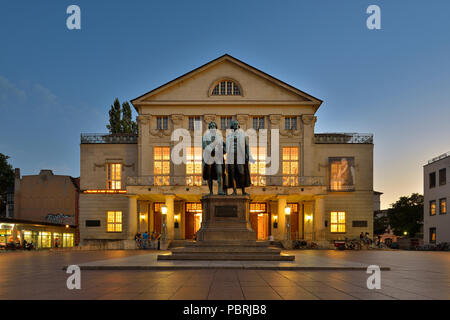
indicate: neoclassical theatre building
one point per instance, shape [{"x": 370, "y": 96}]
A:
[{"x": 325, "y": 178}]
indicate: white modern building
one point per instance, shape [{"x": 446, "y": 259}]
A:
[{"x": 436, "y": 191}]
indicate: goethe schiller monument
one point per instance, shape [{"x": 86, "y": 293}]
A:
[{"x": 225, "y": 233}]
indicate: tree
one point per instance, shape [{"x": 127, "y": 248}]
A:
[
  {"x": 120, "y": 119},
  {"x": 380, "y": 222},
  {"x": 6, "y": 179},
  {"x": 406, "y": 215}
]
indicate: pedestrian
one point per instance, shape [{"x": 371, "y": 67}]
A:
[
  {"x": 159, "y": 241},
  {"x": 144, "y": 240},
  {"x": 378, "y": 241},
  {"x": 137, "y": 239},
  {"x": 361, "y": 237}
]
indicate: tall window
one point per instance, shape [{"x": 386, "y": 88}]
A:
[
  {"x": 194, "y": 123},
  {"x": 432, "y": 235},
  {"x": 258, "y": 123},
  {"x": 258, "y": 168},
  {"x": 225, "y": 122},
  {"x": 432, "y": 207},
  {"x": 290, "y": 123},
  {"x": 114, "y": 221},
  {"x": 162, "y": 123},
  {"x": 114, "y": 176},
  {"x": 338, "y": 221},
  {"x": 226, "y": 88},
  {"x": 161, "y": 165},
  {"x": 432, "y": 178},
  {"x": 290, "y": 166},
  {"x": 442, "y": 177},
  {"x": 194, "y": 166},
  {"x": 443, "y": 206}
]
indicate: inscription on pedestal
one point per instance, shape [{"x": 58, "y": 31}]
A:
[{"x": 226, "y": 211}]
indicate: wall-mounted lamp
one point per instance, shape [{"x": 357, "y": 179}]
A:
[
  {"x": 308, "y": 217},
  {"x": 275, "y": 221},
  {"x": 177, "y": 219},
  {"x": 287, "y": 210},
  {"x": 142, "y": 216}
]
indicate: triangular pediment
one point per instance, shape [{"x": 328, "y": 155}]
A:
[{"x": 256, "y": 87}]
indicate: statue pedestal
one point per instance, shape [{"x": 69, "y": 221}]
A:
[
  {"x": 226, "y": 234},
  {"x": 225, "y": 218}
]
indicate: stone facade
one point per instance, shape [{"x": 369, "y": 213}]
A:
[{"x": 305, "y": 179}]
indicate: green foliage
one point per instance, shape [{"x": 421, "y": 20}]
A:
[
  {"x": 6, "y": 179},
  {"x": 406, "y": 215},
  {"x": 121, "y": 119},
  {"x": 380, "y": 223}
]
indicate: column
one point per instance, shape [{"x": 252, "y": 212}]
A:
[
  {"x": 307, "y": 155},
  {"x": 170, "y": 216},
  {"x": 132, "y": 216},
  {"x": 319, "y": 217},
  {"x": 144, "y": 168},
  {"x": 281, "y": 217}
]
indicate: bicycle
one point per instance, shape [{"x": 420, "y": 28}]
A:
[{"x": 352, "y": 244}]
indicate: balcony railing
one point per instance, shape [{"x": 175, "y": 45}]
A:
[
  {"x": 92, "y": 138},
  {"x": 274, "y": 180},
  {"x": 356, "y": 138},
  {"x": 442, "y": 156}
]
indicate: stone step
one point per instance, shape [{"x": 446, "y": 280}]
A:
[
  {"x": 221, "y": 243},
  {"x": 227, "y": 257},
  {"x": 227, "y": 249}
]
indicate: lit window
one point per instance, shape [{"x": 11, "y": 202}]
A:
[
  {"x": 194, "y": 123},
  {"x": 194, "y": 166},
  {"x": 342, "y": 174},
  {"x": 114, "y": 221},
  {"x": 162, "y": 123},
  {"x": 258, "y": 207},
  {"x": 225, "y": 122},
  {"x": 258, "y": 123},
  {"x": 443, "y": 206},
  {"x": 226, "y": 87},
  {"x": 432, "y": 235},
  {"x": 290, "y": 166},
  {"x": 114, "y": 176},
  {"x": 290, "y": 123},
  {"x": 432, "y": 207},
  {"x": 67, "y": 240},
  {"x": 161, "y": 165},
  {"x": 258, "y": 168},
  {"x": 294, "y": 207},
  {"x": 338, "y": 221}
]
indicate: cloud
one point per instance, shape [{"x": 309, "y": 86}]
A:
[
  {"x": 46, "y": 96},
  {"x": 9, "y": 91}
]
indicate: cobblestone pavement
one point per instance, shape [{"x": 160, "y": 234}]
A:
[{"x": 413, "y": 275}]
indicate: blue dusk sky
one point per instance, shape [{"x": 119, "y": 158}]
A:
[{"x": 56, "y": 83}]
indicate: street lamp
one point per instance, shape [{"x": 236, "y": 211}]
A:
[
  {"x": 164, "y": 222},
  {"x": 287, "y": 212}
]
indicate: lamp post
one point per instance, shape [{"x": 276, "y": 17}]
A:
[
  {"x": 164, "y": 223},
  {"x": 287, "y": 213}
]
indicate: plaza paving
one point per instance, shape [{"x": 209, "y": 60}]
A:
[{"x": 412, "y": 275}]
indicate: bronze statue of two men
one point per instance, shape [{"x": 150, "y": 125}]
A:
[{"x": 234, "y": 171}]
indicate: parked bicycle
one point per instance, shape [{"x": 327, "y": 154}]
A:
[{"x": 352, "y": 244}]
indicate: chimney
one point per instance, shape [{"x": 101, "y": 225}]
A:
[{"x": 17, "y": 173}]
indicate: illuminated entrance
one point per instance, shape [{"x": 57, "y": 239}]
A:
[
  {"x": 259, "y": 219},
  {"x": 193, "y": 216}
]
